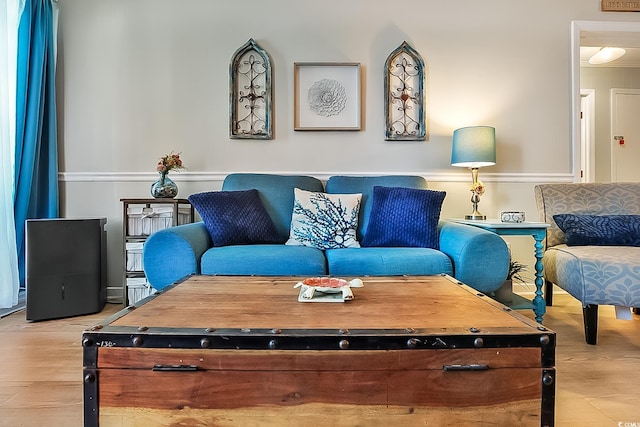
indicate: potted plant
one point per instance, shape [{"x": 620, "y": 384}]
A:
[
  {"x": 515, "y": 268},
  {"x": 504, "y": 294}
]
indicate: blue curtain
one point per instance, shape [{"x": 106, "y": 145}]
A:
[
  {"x": 36, "y": 161},
  {"x": 9, "y": 277}
]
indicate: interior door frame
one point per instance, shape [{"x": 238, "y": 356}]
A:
[
  {"x": 577, "y": 27},
  {"x": 587, "y": 135}
]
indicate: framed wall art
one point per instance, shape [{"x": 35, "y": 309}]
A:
[
  {"x": 327, "y": 96},
  {"x": 250, "y": 95},
  {"x": 404, "y": 95}
]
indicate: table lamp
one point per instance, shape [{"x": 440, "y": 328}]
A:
[{"x": 474, "y": 147}]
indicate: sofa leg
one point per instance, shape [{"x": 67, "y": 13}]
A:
[
  {"x": 548, "y": 293},
  {"x": 590, "y": 314}
]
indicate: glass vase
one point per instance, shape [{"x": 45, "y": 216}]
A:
[{"x": 164, "y": 187}]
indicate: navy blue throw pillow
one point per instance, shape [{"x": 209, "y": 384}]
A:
[
  {"x": 404, "y": 217},
  {"x": 600, "y": 230},
  {"x": 235, "y": 217}
]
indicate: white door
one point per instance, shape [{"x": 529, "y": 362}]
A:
[{"x": 625, "y": 135}]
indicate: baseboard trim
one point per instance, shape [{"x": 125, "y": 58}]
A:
[{"x": 530, "y": 289}]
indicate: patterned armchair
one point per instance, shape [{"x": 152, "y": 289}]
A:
[{"x": 593, "y": 274}]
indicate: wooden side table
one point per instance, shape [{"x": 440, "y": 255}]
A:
[{"x": 538, "y": 230}]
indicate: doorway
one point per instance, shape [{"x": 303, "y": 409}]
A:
[
  {"x": 592, "y": 33},
  {"x": 625, "y": 132}
]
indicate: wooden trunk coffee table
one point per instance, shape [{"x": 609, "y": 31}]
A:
[{"x": 224, "y": 351}]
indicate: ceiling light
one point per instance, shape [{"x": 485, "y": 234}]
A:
[{"x": 607, "y": 54}]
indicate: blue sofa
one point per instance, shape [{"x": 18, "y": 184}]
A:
[{"x": 472, "y": 255}]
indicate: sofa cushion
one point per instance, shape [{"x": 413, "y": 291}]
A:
[
  {"x": 235, "y": 217},
  {"x": 600, "y": 230},
  {"x": 324, "y": 221},
  {"x": 276, "y": 193},
  {"x": 404, "y": 217},
  {"x": 264, "y": 260},
  {"x": 387, "y": 262},
  {"x": 364, "y": 185}
]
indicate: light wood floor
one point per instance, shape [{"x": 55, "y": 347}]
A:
[{"x": 41, "y": 369}]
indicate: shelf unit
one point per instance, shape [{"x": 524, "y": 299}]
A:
[{"x": 141, "y": 218}]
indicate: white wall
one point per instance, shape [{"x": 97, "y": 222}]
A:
[
  {"x": 602, "y": 80},
  {"x": 140, "y": 78}
]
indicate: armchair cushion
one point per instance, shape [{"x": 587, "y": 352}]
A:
[
  {"x": 600, "y": 230},
  {"x": 404, "y": 217},
  {"x": 596, "y": 274},
  {"x": 235, "y": 217}
]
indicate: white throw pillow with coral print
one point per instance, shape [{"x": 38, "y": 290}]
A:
[{"x": 324, "y": 221}]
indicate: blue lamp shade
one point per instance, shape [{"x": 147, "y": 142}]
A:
[{"x": 474, "y": 147}]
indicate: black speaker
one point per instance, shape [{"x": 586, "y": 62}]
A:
[{"x": 66, "y": 268}]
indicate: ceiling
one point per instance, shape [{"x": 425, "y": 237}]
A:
[{"x": 592, "y": 41}]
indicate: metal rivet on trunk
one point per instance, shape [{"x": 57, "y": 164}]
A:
[{"x": 412, "y": 342}]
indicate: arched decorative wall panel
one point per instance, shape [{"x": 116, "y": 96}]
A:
[
  {"x": 250, "y": 94},
  {"x": 404, "y": 95}
]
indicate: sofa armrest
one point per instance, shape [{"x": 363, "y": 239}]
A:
[
  {"x": 480, "y": 258},
  {"x": 173, "y": 253}
]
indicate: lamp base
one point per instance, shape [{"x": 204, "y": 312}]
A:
[{"x": 475, "y": 217}]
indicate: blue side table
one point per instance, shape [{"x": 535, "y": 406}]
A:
[{"x": 538, "y": 230}]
